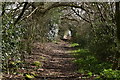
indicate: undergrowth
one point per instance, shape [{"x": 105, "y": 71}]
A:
[{"x": 88, "y": 64}]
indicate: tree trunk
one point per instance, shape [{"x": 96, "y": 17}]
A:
[
  {"x": 117, "y": 4},
  {"x": 117, "y": 18}
]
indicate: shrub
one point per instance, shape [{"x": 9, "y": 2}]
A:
[
  {"x": 110, "y": 74},
  {"x": 87, "y": 62}
]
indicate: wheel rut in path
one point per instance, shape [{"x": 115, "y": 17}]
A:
[{"x": 57, "y": 61}]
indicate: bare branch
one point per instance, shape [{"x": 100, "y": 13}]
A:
[
  {"x": 102, "y": 17},
  {"x": 32, "y": 12},
  {"x": 80, "y": 16},
  {"x": 3, "y": 8},
  {"x": 23, "y": 10}
]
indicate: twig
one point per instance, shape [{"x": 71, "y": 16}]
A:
[{"x": 32, "y": 12}]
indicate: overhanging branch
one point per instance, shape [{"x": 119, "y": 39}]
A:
[
  {"x": 58, "y": 4},
  {"x": 21, "y": 14},
  {"x": 80, "y": 16}
]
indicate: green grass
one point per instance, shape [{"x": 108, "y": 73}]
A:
[{"x": 74, "y": 45}]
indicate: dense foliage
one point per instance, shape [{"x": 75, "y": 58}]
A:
[
  {"x": 95, "y": 31},
  {"x": 102, "y": 46}
]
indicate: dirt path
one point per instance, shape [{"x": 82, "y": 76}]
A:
[{"x": 56, "y": 61}]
